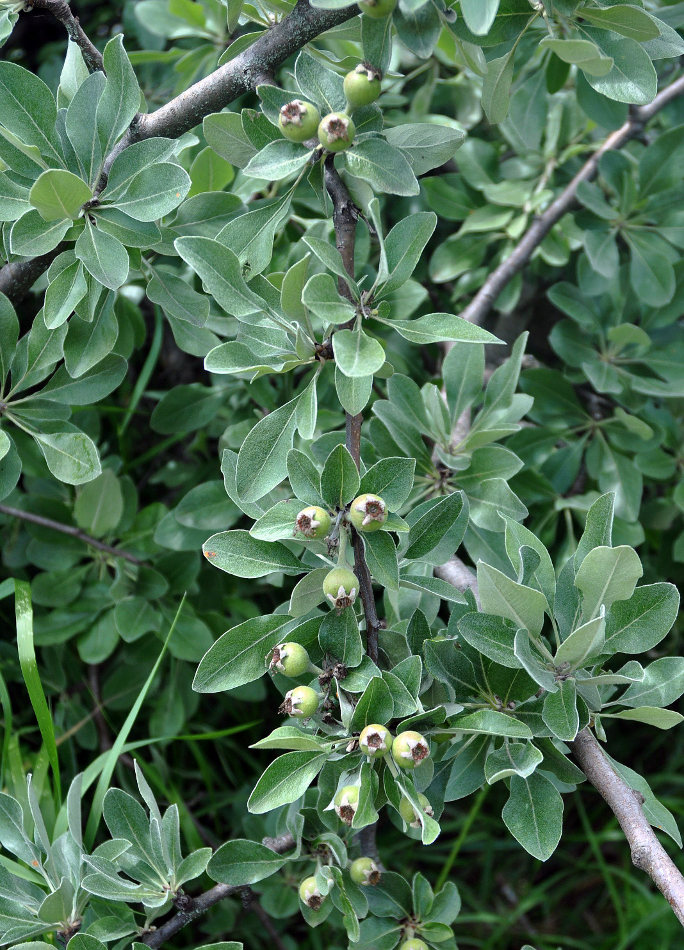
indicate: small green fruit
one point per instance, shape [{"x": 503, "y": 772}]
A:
[
  {"x": 364, "y": 871},
  {"x": 313, "y": 522},
  {"x": 410, "y": 815},
  {"x": 413, "y": 944},
  {"x": 301, "y": 702},
  {"x": 377, "y": 9},
  {"x": 298, "y": 120},
  {"x": 368, "y": 512},
  {"x": 336, "y": 131},
  {"x": 409, "y": 749},
  {"x": 375, "y": 741},
  {"x": 309, "y": 893},
  {"x": 362, "y": 86},
  {"x": 341, "y": 587},
  {"x": 291, "y": 659},
  {"x": 346, "y": 802}
]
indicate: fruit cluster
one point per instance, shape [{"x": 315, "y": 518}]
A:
[{"x": 301, "y": 121}]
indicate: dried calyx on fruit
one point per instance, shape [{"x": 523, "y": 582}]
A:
[
  {"x": 377, "y": 9},
  {"x": 336, "y": 131},
  {"x": 309, "y": 893},
  {"x": 375, "y": 741},
  {"x": 291, "y": 659},
  {"x": 368, "y": 512},
  {"x": 364, "y": 871},
  {"x": 312, "y": 522},
  {"x": 341, "y": 587},
  {"x": 409, "y": 813},
  {"x": 301, "y": 702},
  {"x": 362, "y": 86},
  {"x": 298, "y": 120},
  {"x": 346, "y": 802},
  {"x": 409, "y": 749}
]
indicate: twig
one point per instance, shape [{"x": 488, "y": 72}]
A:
[
  {"x": 62, "y": 11},
  {"x": 211, "y": 94},
  {"x": 647, "y": 852},
  {"x": 68, "y": 529},
  {"x": 482, "y": 302},
  {"x": 345, "y": 214},
  {"x": 190, "y": 908}
]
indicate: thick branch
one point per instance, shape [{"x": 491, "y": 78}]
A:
[
  {"x": 459, "y": 575},
  {"x": 190, "y": 908},
  {"x": 17, "y": 278},
  {"x": 345, "y": 214},
  {"x": 647, "y": 852},
  {"x": 62, "y": 11},
  {"x": 482, "y": 302},
  {"x": 67, "y": 529}
]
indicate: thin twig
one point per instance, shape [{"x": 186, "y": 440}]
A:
[
  {"x": 482, "y": 302},
  {"x": 71, "y": 530},
  {"x": 190, "y": 908},
  {"x": 647, "y": 852},
  {"x": 61, "y": 11}
]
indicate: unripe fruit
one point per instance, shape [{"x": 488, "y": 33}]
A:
[
  {"x": 368, "y": 512},
  {"x": 301, "y": 702},
  {"x": 409, "y": 749},
  {"x": 336, "y": 132},
  {"x": 298, "y": 120},
  {"x": 291, "y": 659},
  {"x": 341, "y": 587},
  {"x": 312, "y": 522},
  {"x": 309, "y": 893},
  {"x": 364, "y": 871},
  {"x": 375, "y": 741},
  {"x": 362, "y": 86},
  {"x": 346, "y": 803},
  {"x": 377, "y": 9},
  {"x": 410, "y": 815},
  {"x": 413, "y": 944}
]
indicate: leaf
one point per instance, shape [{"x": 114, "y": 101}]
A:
[
  {"x": 103, "y": 256},
  {"x": 154, "y": 192},
  {"x": 513, "y": 758},
  {"x": 436, "y": 327},
  {"x": 285, "y": 780},
  {"x": 63, "y": 294},
  {"x": 381, "y": 555},
  {"x": 500, "y": 595},
  {"x": 427, "y": 146},
  {"x": 239, "y": 862},
  {"x": 560, "y": 711},
  {"x": 262, "y": 460},
  {"x": 583, "y": 643},
  {"x": 71, "y": 456},
  {"x": 492, "y": 636},
  {"x": 241, "y": 555},
  {"x": 606, "y": 575},
  {"x": 175, "y": 296},
  {"x": 30, "y": 237},
  {"x": 339, "y": 478},
  {"x": 321, "y": 296},
  {"x": 582, "y": 53},
  {"x": 496, "y": 91},
  {"x": 492, "y": 722},
  {"x": 28, "y": 109},
  {"x": 356, "y": 353},
  {"x": 375, "y": 705},
  {"x": 99, "y": 505},
  {"x": 651, "y": 715},
  {"x": 384, "y": 167},
  {"x": 186, "y": 408},
  {"x": 339, "y": 637},
  {"x": 120, "y": 100},
  {"x": 58, "y": 194},
  {"x": 663, "y": 684},
  {"x": 624, "y": 19},
  {"x": 632, "y": 78},
  {"x": 278, "y": 160},
  {"x": 651, "y": 274},
  {"x": 640, "y": 623},
  {"x": 221, "y": 274},
  {"x": 250, "y": 236},
  {"x": 479, "y": 15},
  {"x": 391, "y": 478},
  {"x": 534, "y": 814},
  {"x": 439, "y": 530}
]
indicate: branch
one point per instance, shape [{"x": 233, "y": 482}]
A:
[
  {"x": 62, "y": 12},
  {"x": 190, "y": 908},
  {"x": 647, "y": 852},
  {"x": 68, "y": 529},
  {"x": 482, "y": 302},
  {"x": 211, "y": 94},
  {"x": 459, "y": 575}
]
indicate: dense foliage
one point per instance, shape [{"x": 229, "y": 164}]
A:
[{"x": 261, "y": 406}]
